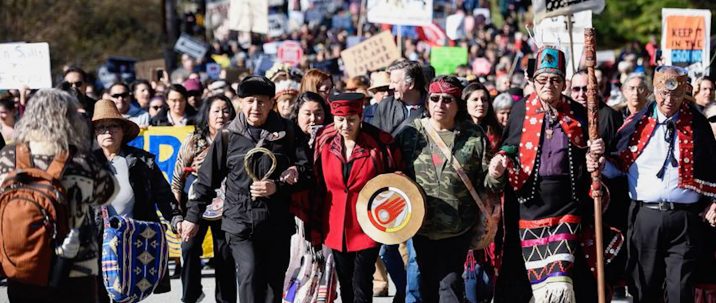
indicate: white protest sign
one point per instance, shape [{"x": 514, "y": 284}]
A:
[
  {"x": 25, "y": 64},
  {"x": 400, "y": 12},
  {"x": 277, "y": 24},
  {"x": 249, "y": 16},
  {"x": 553, "y": 32},
  {"x": 552, "y": 8},
  {"x": 455, "y": 26},
  {"x": 685, "y": 37}
]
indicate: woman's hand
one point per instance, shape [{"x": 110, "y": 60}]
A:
[
  {"x": 498, "y": 164},
  {"x": 290, "y": 175}
]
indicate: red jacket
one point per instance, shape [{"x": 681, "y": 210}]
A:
[{"x": 372, "y": 155}]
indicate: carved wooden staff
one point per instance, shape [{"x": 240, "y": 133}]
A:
[{"x": 590, "y": 54}]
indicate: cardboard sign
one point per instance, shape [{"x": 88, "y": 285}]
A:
[
  {"x": 553, "y": 8},
  {"x": 446, "y": 59},
  {"x": 25, "y": 64},
  {"x": 213, "y": 70},
  {"x": 249, "y": 16},
  {"x": 400, "y": 12},
  {"x": 685, "y": 37},
  {"x": 147, "y": 69},
  {"x": 290, "y": 52},
  {"x": 193, "y": 47},
  {"x": 375, "y": 53}
]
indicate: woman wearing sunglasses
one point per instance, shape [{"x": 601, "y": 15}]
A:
[{"x": 429, "y": 147}]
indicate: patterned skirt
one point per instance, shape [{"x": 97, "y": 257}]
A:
[{"x": 548, "y": 250}]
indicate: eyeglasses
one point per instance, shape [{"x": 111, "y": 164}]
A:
[
  {"x": 544, "y": 80},
  {"x": 446, "y": 99},
  {"x": 638, "y": 89},
  {"x": 124, "y": 95},
  {"x": 113, "y": 128},
  {"x": 76, "y": 84},
  {"x": 579, "y": 89}
]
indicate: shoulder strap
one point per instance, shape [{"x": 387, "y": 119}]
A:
[
  {"x": 23, "y": 160},
  {"x": 456, "y": 165}
]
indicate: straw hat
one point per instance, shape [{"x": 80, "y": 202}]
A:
[
  {"x": 378, "y": 80},
  {"x": 106, "y": 110}
]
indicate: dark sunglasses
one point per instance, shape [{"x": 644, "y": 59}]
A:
[
  {"x": 122, "y": 95},
  {"x": 76, "y": 84},
  {"x": 101, "y": 129},
  {"x": 712, "y": 119},
  {"x": 446, "y": 99},
  {"x": 156, "y": 107},
  {"x": 579, "y": 89}
]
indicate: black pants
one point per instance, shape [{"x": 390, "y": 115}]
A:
[
  {"x": 75, "y": 290},
  {"x": 663, "y": 248},
  {"x": 224, "y": 269},
  {"x": 261, "y": 263},
  {"x": 441, "y": 266},
  {"x": 355, "y": 274}
]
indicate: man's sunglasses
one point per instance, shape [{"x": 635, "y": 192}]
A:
[{"x": 122, "y": 95}]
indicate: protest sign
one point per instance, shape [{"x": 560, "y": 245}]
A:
[
  {"x": 249, "y": 16},
  {"x": 554, "y": 31},
  {"x": 217, "y": 18},
  {"x": 290, "y": 52},
  {"x": 25, "y": 64},
  {"x": 213, "y": 70},
  {"x": 446, "y": 59},
  {"x": 147, "y": 69},
  {"x": 189, "y": 45},
  {"x": 685, "y": 37},
  {"x": 377, "y": 52},
  {"x": 277, "y": 24},
  {"x": 553, "y": 8},
  {"x": 164, "y": 142},
  {"x": 400, "y": 12}
]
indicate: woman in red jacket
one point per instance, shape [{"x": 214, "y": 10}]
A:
[{"x": 348, "y": 154}]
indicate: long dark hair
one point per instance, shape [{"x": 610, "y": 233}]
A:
[
  {"x": 202, "y": 122},
  {"x": 306, "y": 97},
  {"x": 489, "y": 122}
]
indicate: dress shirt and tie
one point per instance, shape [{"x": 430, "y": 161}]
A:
[{"x": 643, "y": 176}]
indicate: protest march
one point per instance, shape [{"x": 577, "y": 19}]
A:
[{"x": 358, "y": 151}]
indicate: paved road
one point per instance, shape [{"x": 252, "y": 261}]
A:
[{"x": 208, "y": 283}]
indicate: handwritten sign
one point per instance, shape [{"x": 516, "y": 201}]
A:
[
  {"x": 25, "y": 64},
  {"x": 400, "y": 12},
  {"x": 375, "y": 53},
  {"x": 685, "y": 36}
]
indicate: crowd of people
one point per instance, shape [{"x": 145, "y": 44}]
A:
[{"x": 496, "y": 129}]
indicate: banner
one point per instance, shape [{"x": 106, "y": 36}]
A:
[
  {"x": 249, "y": 16},
  {"x": 164, "y": 142},
  {"x": 25, "y": 64},
  {"x": 553, "y": 31},
  {"x": 400, "y": 12},
  {"x": 375, "y": 53},
  {"x": 552, "y": 8},
  {"x": 685, "y": 37},
  {"x": 446, "y": 59}
]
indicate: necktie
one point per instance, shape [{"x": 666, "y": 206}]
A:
[{"x": 669, "y": 136}]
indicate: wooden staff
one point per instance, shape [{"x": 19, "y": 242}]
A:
[{"x": 590, "y": 54}]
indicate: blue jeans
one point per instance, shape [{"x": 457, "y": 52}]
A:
[{"x": 412, "y": 294}]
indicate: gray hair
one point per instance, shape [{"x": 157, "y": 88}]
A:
[
  {"x": 502, "y": 101},
  {"x": 644, "y": 82},
  {"x": 51, "y": 117}
]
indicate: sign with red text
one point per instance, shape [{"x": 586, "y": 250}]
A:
[{"x": 685, "y": 36}]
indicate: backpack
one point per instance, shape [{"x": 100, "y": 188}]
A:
[{"x": 34, "y": 218}]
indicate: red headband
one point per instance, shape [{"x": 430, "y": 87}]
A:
[
  {"x": 344, "y": 108},
  {"x": 444, "y": 87}
]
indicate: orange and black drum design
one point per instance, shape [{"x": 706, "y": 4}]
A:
[{"x": 391, "y": 208}]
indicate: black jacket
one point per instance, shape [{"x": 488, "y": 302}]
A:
[
  {"x": 151, "y": 189},
  {"x": 391, "y": 115},
  {"x": 242, "y": 215}
]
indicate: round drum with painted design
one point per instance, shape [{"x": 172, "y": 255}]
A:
[{"x": 391, "y": 208}]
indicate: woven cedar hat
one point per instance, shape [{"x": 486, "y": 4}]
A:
[
  {"x": 378, "y": 80},
  {"x": 106, "y": 110}
]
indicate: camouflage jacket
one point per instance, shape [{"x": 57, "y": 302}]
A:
[{"x": 450, "y": 209}]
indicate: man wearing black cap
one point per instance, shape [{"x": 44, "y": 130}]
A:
[{"x": 256, "y": 219}]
